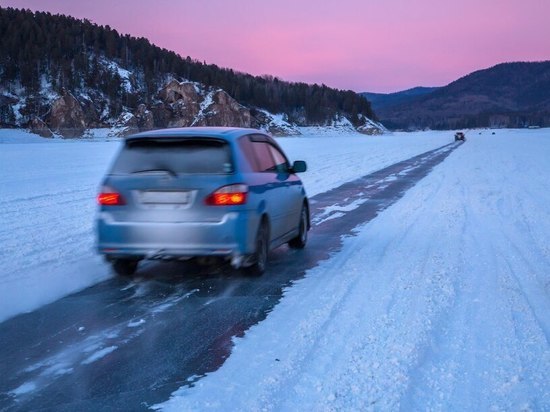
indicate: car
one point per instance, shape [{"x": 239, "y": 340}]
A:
[
  {"x": 460, "y": 136},
  {"x": 201, "y": 192}
]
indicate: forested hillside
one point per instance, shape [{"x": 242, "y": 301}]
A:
[
  {"x": 506, "y": 95},
  {"x": 45, "y": 56}
]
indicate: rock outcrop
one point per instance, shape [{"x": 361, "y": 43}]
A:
[
  {"x": 371, "y": 127},
  {"x": 39, "y": 127},
  {"x": 183, "y": 104},
  {"x": 144, "y": 118},
  {"x": 220, "y": 109},
  {"x": 179, "y": 104},
  {"x": 91, "y": 113},
  {"x": 125, "y": 125},
  {"x": 66, "y": 116}
]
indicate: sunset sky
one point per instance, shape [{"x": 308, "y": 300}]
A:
[{"x": 362, "y": 45}]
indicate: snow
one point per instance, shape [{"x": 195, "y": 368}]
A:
[
  {"x": 279, "y": 122},
  {"x": 17, "y": 110},
  {"x": 342, "y": 122},
  {"x": 46, "y": 89},
  {"x": 123, "y": 73},
  {"x": 94, "y": 357},
  {"x": 205, "y": 105},
  {"x": 371, "y": 124},
  {"x": 440, "y": 303},
  {"x": 20, "y": 136},
  {"x": 47, "y": 198},
  {"x": 278, "y": 119}
]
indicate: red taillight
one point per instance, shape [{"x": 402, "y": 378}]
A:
[
  {"x": 110, "y": 199},
  {"x": 231, "y": 195}
]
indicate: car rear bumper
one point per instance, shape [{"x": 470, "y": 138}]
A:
[{"x": 229, "y": 237}]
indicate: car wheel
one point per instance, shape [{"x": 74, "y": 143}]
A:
[
  {"x": 125, "y": 267},
  {"x": 257, "y": 268},
  {"x": 299, "y": 242}
]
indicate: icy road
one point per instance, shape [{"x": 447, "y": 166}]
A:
[{"x": 425, "y": 286}]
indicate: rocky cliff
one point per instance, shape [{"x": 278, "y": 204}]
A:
[
  {"x": 176, "y": 104},
  {"x": 66, "y": 116},
  {"x": 183, "y": 104}
]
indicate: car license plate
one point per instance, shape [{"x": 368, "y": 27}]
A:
[{"x": 171, "y": 197}]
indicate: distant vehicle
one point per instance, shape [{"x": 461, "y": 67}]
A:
[
  {"x": 460, "y": 136},
  {"x": 228, "y": 193}
]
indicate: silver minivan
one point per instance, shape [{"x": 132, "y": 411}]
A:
[{"x": 201, "y": 192}]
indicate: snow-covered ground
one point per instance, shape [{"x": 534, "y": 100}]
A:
[
  {"x": 47, "y": 201},
  {"x": 440, "y": 303}
]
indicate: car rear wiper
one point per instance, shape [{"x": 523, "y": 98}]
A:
[{"x": 168, "y": 171}]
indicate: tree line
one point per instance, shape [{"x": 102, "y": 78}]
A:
[{"x": 68, "y": 52}]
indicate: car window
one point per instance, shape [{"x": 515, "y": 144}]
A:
[
  {"x": 264, "y": 158},
  {"x": 246, "y": 148},
  {"x": 281, "y": 164},
  {"x": 201, "y": 156}
]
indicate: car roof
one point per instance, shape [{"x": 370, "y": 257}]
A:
[{"x": 229, "y": 133}]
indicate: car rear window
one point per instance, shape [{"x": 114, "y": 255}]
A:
[{"x": 201, "y": 156}]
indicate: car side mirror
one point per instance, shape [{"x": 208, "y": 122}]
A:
[{"x": 299, "y": 166}]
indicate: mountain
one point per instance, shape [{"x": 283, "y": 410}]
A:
[
  {"x": 506, "y": 95},
  {"x": 63, "y": 75},
  {"x": 383, "y": 100}
]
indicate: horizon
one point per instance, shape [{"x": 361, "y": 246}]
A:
[{"x": 328, "y": 48}]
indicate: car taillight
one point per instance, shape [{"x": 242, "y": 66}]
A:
[
  {"x": 230, "y": 195},
  {"x": 109, "y": 197}
]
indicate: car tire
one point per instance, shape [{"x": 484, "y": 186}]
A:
[
  {"x": 257, "y": 268},
  {"x": 299, "y": 242},
  {"x": 125, "y": 267}
]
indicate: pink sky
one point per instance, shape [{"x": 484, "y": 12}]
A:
[{"x": 362, "y": 45}]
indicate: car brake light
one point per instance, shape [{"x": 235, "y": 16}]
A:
[
  {"x": 109, "y": 197},
  {"x": 230, "y": 195}
]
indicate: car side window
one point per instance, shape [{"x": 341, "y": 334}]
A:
[
  {"x": 281, "y": 164},
  {"x": 246, "y": 147},
  {"x": 264, "y": 158}
]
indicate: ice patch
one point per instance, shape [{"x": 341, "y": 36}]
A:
[
  {"x": 336, "y": 211},
  {"x": 331, "y": 216},
  {"x": 135, "y": 324},
  {"x": 27, "y": 387},
  {"x": 99, "y": 355}
]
